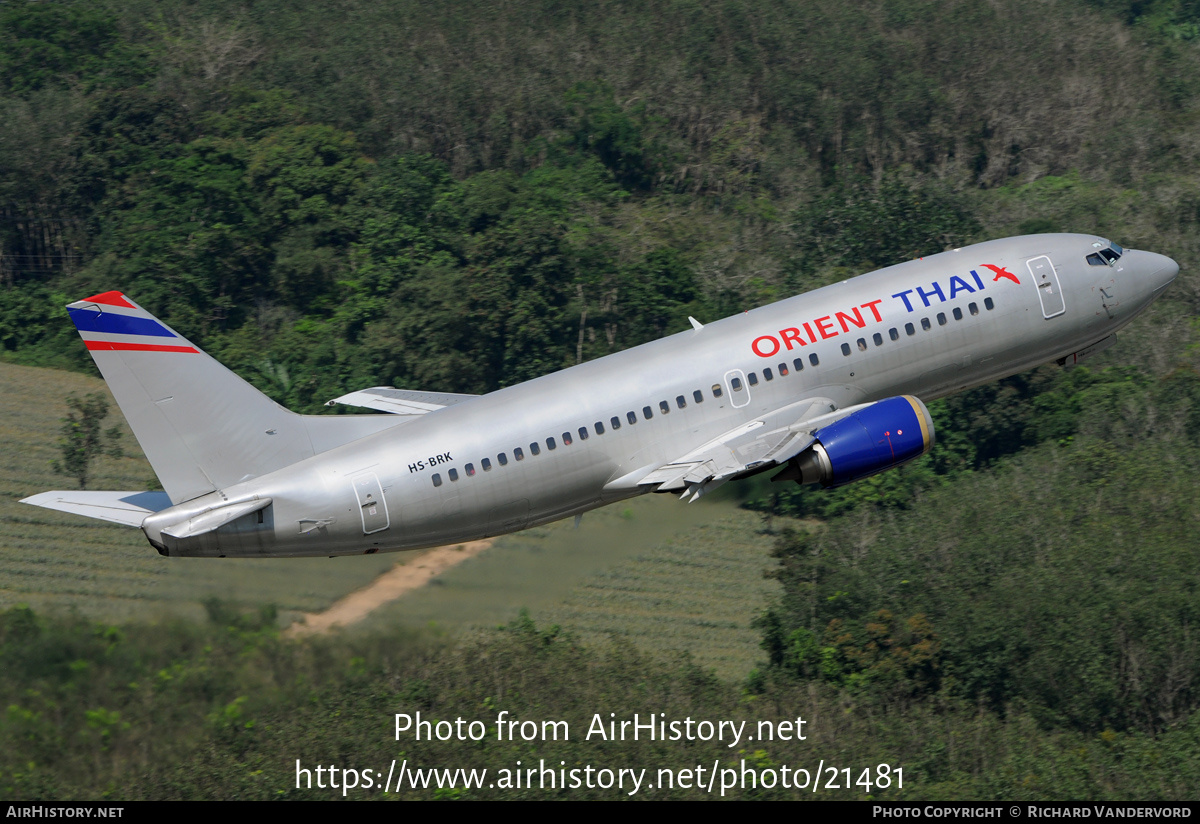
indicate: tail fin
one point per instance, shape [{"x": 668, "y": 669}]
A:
[{"x": 201, "y": 426}]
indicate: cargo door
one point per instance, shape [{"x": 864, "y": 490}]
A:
[{"x": 510, "y": 517}]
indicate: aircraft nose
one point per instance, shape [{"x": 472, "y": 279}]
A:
[{"x": 1160, "y": 269}]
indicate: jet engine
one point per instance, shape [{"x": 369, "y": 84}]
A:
[{"x": 880, "y": 436}]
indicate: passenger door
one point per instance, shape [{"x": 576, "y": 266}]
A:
[{"x": 1045, "y": 278}]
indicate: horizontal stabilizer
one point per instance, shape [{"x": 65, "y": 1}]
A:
[
  {"x": 400, "y": 401},
  {"x": 215, "y": 518},
  {"x": 127, "y": 508}
]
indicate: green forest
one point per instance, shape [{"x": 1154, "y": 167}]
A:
[{"x": 459, "y": 197}]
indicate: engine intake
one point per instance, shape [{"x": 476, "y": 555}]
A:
[{"x": 878, "y": 437}]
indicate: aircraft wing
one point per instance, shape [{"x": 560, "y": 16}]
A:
[
  {"x": 770, "y": 440},
  {"x": 400, "y": 401}
]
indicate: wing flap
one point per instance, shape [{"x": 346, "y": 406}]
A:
[{"x": 675, "y": 475}]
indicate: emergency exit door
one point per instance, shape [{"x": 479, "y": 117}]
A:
[{"x": 371, "y": 504}]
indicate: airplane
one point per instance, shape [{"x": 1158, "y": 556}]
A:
[{"x": 826, "y": 387}]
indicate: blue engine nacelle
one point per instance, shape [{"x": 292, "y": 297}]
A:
[{"x": 877, "y": 437}]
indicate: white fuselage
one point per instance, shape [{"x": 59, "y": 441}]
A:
[{"x": 926, "y": 327}]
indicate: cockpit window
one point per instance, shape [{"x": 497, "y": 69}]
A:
[{"x": 1105, "y": 256}]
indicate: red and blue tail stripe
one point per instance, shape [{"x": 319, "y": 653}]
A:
[{"x": 112, "y": 322}]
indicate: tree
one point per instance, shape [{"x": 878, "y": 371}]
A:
[{"x": 81, "y": 441}]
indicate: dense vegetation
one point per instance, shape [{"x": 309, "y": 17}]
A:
[
  {"x": 224, "y": 710},
  {"x": 1075, "y": 602},
  {"x": 458, "y": 198},
  {"x": 465, "y": 197}
]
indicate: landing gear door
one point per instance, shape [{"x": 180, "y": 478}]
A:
[
  {"x": 371, "y": 504},
  {"x": 1049, "y": 289}
]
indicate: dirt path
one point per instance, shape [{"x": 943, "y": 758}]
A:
[{"x": 399, "y": 580}]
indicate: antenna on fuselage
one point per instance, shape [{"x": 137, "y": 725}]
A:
[{"x": 697, "y": 325}]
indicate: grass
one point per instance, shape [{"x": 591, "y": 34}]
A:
[
  {"x": 667, "y": 576},
  {"x": 697, "y": 591}
]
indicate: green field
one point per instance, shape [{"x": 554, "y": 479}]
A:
[{"x": 667, "y": 576}]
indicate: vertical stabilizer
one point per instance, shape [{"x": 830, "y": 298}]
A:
[{"x": 201, "y": 426}]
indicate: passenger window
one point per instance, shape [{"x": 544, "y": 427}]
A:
[
  {"x": 768, "y": 374},
  {"x": 813, "y": 359},
  {"x": 470, "y": 469},
  {"x": 503, "y": 459},
  {"x": 925, "y": 324},
  {"x": 664, "y": 407},
  {"x": 941, "y": 318},
  {"x": 583, "y": 433},
  {"x": 599, "y": 427},
  {"x": 518, "y": 454},
  {"x": 534, "y": 449},
  {"x": 716, "y": 390},
  {"x": 631, "y": 417},
  {"x": 486, "y": 463},
  {"x": 615, "y": 422},
  {"x": 909, "y": 329},
  {"x": 894, "y": 333},
  {"x": 752, "y": 379},
  {"x": 647, "y": 413},
  {"x": 845, "y": 349},
  {"x": 783, "y": 370},
  {"x": 878, "y": 338},
  {"x": 957, "y": 313},
  {"x": 862, "y": 344},
  {"x": 989, "y": 304},
  {"x": 973, "y": 308},
  {"x": 453, "y": 473},
  {"x": 736, "y": 383},
  {"x": 437, "y": 479},
  {"x": 680, "y": 401},
  {"x": 798, "y": 363},
  {"x": 698, "y": 396},
  {"x": 567, "y": 438},
  {"x": 551, "y": 444}
]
